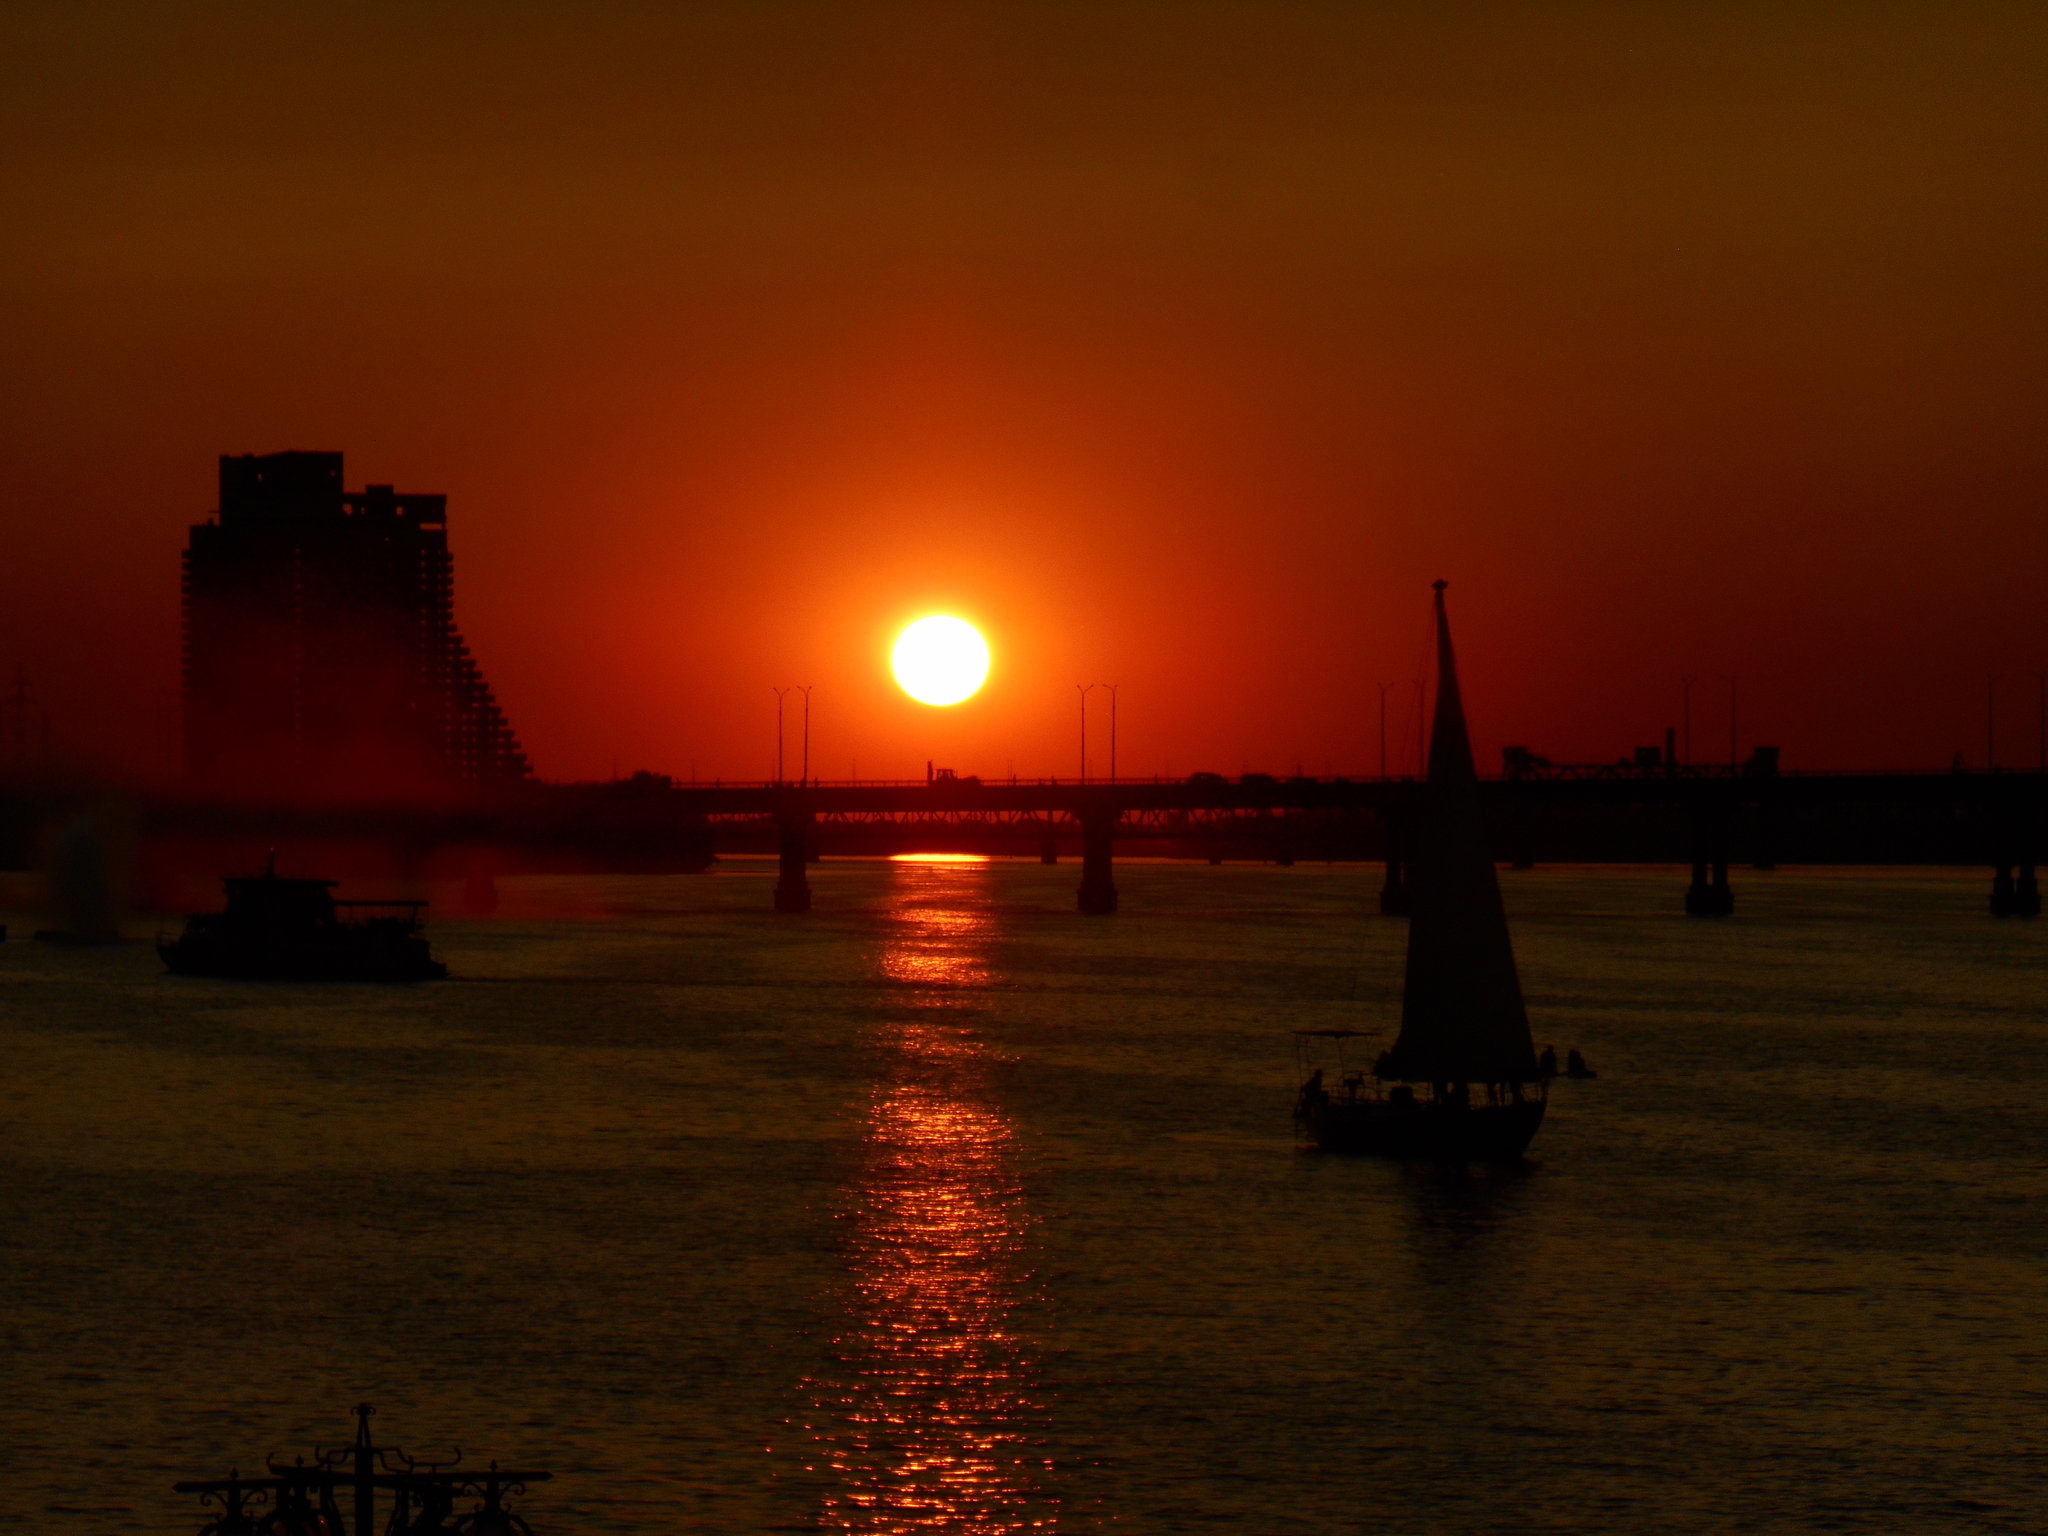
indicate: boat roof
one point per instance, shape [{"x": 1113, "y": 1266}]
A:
[{"x": 1333, "y": 1034}]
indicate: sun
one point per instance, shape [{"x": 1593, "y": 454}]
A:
[{"x": 940, "y": 660}]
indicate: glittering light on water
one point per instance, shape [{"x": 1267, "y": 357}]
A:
[
  {"x": 938, "y": 1407},
  {"x": 938, "y": 947}
]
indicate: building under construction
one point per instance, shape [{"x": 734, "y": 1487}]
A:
[{"x": 321, "y": 654}]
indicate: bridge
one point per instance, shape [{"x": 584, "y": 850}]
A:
[
  {"x": 1996, "y": 819},
  {"x": 1710, "y": 818}
]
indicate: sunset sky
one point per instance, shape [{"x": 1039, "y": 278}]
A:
[{"x": 1175, "y": 346}]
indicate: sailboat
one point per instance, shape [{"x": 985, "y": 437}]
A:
[{"x": 1462, "y": 1079}]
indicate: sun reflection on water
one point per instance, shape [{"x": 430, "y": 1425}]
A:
[
  {"x": 938, "y": 946},
  {"x": 935, "y": 1418}
]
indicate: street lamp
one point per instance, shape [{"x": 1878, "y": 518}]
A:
[
  {"x": 779, "y": 692},
  {"x": 1112, "y": 728},
  {"x": 805, "y": 690},
  {"x": 1084, "y": 691}
]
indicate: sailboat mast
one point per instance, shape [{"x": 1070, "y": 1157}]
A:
[{"x": 1462, "y": 1015}]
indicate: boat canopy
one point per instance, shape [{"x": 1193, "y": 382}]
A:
[{"x": 1462, "y": 1015}]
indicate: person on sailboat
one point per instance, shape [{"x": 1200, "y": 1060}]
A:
[
  {"x": 1313, "y": 1093},
  {"x": 1575, "y": 1066},
  {"x": 1546, "y": 1064}
]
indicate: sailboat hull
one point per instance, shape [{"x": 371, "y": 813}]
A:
[{"x": 1425, "y": 1131}]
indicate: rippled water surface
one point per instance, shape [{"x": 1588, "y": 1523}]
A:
[{"x": 945, "y": 1208}]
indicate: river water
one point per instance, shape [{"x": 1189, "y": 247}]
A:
[{"x": 945, "y": 1208}]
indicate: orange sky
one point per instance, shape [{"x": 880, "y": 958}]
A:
[{"x": 1177, "y": 346}]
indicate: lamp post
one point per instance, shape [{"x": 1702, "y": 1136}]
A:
[
  {"x": 779, "y": 692},
  {"x": 805, "y": 690},
  {"x": 1084, "y": 690},
  {"x": 1112, "y": 729}
]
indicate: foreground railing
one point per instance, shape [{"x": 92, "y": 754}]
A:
[{"x": 306, "y": 1500}]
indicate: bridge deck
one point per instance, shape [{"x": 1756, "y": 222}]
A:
[{"x": 1570, "y": 786}]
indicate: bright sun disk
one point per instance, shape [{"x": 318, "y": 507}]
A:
[{"x": 940, "y": 660}]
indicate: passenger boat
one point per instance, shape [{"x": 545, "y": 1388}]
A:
[
  {"x": 1462, "y": 1080},
  {"x": 276, "y": 929}
]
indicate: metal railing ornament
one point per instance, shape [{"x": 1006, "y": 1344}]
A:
[{"x": 428, "y": 1497}]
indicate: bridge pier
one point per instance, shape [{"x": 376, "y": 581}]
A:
[
  {"x": 1520, "y": 855},
  {"x": 2001, "y": 890},
  {"x": 1520, "y": 828},
  {"x": 793, "y": 888},
  {"x": 1048, "y": 843},
  {"x": 1394, "y": 889},
  {"x": 1765, "y": 854},
  {"x": 1705, "y": 897},
  {"x": 1097, "y": 895},
  {"x": 2015, "y": 811},
  {"x": 2015, "y": 898}
]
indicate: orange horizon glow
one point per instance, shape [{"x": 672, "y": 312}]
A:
[{"x": 1687, "y": 343}]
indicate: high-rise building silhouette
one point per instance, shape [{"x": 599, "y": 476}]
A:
[{"x": 321, "y": 653}]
